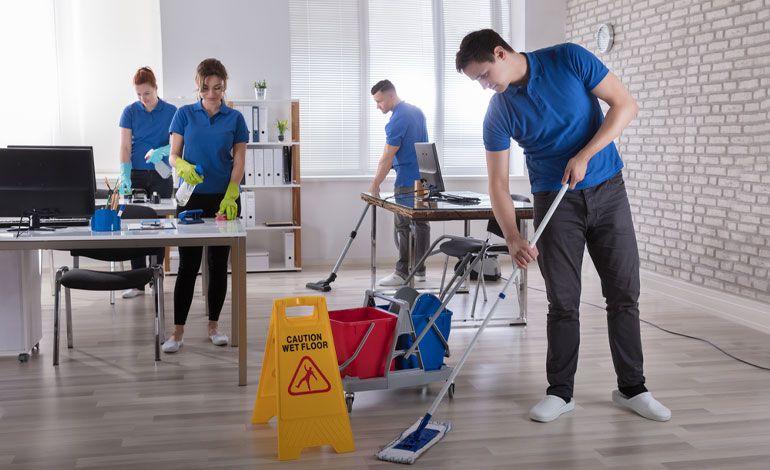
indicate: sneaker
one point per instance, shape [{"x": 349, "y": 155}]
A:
[
  {"x": 419, "y": 277},
  {"x": 643, "y": 404},
  {"x": 218, "y": 339},
  {"x": 131, "y": 293},
  {"x": 392, "y": 280},
  {"x": 172, "y": 345},
  {"x": 550, "y": 408}
]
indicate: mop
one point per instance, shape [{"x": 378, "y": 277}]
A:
[
  {"x": 324, "y": 285},
  {"x": 423, "y": 434}
]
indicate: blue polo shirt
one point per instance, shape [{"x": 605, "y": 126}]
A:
[
  {"x": 209, "y": 141},
  {"x": 406, "y": 127},
  {"x": 148, "y": 130},
  {"x": 553, "y": 116}
]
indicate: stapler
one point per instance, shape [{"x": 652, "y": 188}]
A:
[{"x": 192, "y": 216}]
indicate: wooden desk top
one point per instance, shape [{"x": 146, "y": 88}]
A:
[{"x": 416, "y": 209}]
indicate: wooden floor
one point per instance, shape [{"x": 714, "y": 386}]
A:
[{"x": 108, "y": 405}]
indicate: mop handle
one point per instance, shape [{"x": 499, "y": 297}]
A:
[{"x": 516, "y": 273}]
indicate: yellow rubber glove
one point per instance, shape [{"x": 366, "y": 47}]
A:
[
  {"x": 186, "y": 171},
  {"x": 228, "y": 206}
]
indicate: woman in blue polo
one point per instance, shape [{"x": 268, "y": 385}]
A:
[
  {"x": 143, "y": 127},
  {"x": 212, "y": 136}
]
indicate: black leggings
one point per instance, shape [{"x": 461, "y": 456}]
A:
[{"x": 190, "y": 263}]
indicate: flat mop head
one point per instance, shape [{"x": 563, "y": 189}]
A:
[{"x": 414, "y": 442}]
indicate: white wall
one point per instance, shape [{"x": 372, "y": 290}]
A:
[
  {"x": 250, "y": 37},
  {"x": 544, "y": 23}
]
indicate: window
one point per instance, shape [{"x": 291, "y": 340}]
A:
[
  {"x": 407, "y": 61},
  {"x": 326, "y": 77},
  {"x": 340, "y": 48}
]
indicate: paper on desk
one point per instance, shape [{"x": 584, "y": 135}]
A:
[{"x": 163, "y": 225}]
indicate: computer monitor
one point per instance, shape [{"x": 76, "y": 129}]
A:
[
  {"x": 47, "y": 182},
  {"x": 430, "y": 170}
]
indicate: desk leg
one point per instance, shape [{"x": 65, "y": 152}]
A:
[
  {"x": 373, "y": 256},
  {"x": 410, "y": 263},
  {"x": 467, "y": 228},
  {"x": 205, "y": 277},
  {"x": 238, "y": 305}
]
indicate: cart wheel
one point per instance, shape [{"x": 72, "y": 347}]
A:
[
  {"x": 23, "y": 357},
  {"x": 451, "y": 391},
  {"x": 349, "y": 398},
  {"x": 36, "y": 347}
]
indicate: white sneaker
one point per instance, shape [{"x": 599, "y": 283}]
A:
[
  {"x": 131, "y": 293},
  {"x": 550, "y": 408},
  {"x": 419, "y": 277},
  {"x": 219, "y": 339},
  {"x": 393, "y": 280},
  {"x": 643, "y": 404},
  {"x": 171, "y": 345}
]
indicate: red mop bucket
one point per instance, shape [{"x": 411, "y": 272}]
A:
[{"x": 350, "y": 328}]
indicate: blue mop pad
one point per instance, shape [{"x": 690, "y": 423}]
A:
[{"x": 415, "y": 441}]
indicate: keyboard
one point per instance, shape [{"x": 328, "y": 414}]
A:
[{"x": 6, "y": 222}]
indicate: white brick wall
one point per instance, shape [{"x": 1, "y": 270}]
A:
[{"x": 697, "y": 155}]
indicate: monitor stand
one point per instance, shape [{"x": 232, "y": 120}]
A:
[{"x": 33, "y": 225}]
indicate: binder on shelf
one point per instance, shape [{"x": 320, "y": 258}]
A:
[
  {"x": 247, "y": 209},
  {"x": 288, "y": 249},
  {"x": 248, "y": 116},
  {"x": 277, "y": 166},
  {"x": 248, "y": 173},
  {"x": 287, "y": 165},
  {"x": 259, "y": 167},
  {"x": 259, "y": 119},
  {"x": 268, "y": 166}
]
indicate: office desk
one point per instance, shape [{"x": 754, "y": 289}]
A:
[
  {"x": 211, "y": 233},
  {"x": 416, "y": 209}
]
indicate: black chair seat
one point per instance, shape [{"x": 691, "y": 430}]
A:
[
  {"x": 459, "y": 248},
  {"x": 86, "y": 279}
]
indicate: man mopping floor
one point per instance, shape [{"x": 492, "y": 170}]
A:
[{"x": 548, "y": 102}]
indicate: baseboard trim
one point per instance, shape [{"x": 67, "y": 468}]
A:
[{"x": 753, "y": 314}]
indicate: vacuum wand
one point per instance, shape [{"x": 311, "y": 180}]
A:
[{"x": 324, "y": 285}]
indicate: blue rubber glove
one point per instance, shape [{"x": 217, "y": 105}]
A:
[
  {"x": 124, "y": 187},
  {"x": 228, "y": 206},
  {"x": 155, "y": 155}
]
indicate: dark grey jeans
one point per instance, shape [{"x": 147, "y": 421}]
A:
[
  {"x": 598, "y": 218},
  {"x": 421, "y": 237}
]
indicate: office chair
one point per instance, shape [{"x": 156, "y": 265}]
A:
[
  {"x": 459, "y": 248},
  {"x": 131, "y": 211},
  {"x": 85, "y": 279}
]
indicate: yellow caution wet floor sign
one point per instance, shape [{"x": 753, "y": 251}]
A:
[{"x": 300, "y": 381}]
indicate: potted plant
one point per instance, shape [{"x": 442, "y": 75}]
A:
[
  {"x": 282, "y": 125},
  {"x": 260, "y": 89}
]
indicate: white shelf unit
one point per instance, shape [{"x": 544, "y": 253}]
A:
[{"x": 268, "y": 200}]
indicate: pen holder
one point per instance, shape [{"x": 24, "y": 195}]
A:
[{"x": 105, "y": 220}]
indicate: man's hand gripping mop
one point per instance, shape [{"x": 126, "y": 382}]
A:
[{"x": 423, "y": 434}]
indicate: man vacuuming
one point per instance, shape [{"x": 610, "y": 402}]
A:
[{"x": 548, "y": 102}]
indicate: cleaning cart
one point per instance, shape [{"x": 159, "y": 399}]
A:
[{"x": 397, "y": 341}]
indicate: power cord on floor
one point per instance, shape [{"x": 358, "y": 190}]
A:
[{"x": 679, "y": 334}]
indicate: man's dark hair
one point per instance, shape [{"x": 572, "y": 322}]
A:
[
  {"x": 478, "y": 46},
  {"x": 383, "y": 85}
]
